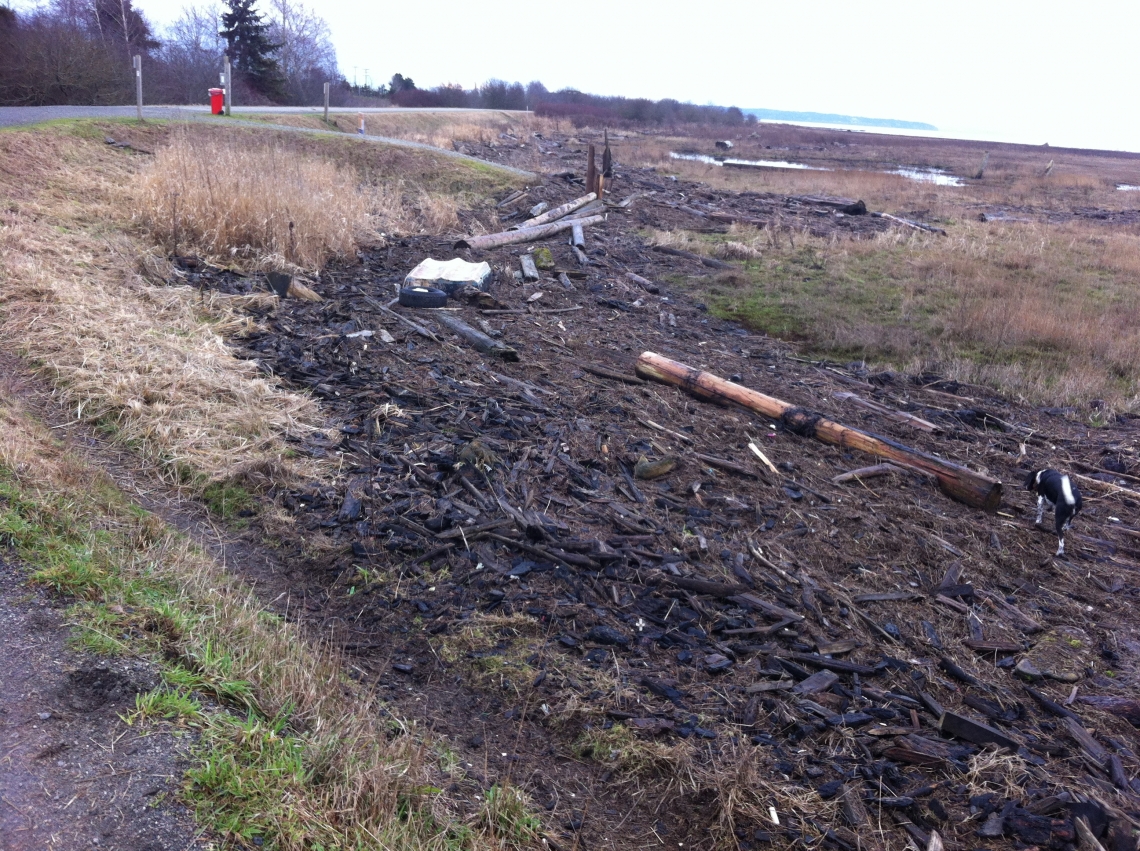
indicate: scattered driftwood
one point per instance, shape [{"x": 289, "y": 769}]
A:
[
  {"x": 962, "y": 484},
  {"x": 909, "y": 223},
  {"x": 730, "y": 466},
  {"x": 477, "y": 339},
  {"x": 866, "y": 473},
  {"x": 558, "y": 212},
  {"x": 511, "y": 237},
  {"x": 961, "y": 727},
  {"x": 890, "y": 413}
]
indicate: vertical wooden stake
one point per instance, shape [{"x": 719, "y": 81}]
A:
[
  {"x": 326, "y": 103},
  {"x": 137, "y": 62},
  {"x": 228, "y": 71},
  {"x": 591, "y": 170}
]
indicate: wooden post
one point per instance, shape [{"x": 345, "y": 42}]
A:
[
  {"x": 136, "y": 61},
  {"x": 591, "y": 171},
  {"x": 326, "y": 103},
  {"x": 229, "y": 83},
  {"x": 957, "y": 482}
]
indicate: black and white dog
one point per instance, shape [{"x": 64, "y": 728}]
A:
[{"x": 1056, "y": 489}]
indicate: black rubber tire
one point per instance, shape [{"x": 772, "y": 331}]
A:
[{"x": 422, "y": 297}]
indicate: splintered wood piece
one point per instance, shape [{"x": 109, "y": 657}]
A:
[
  {"x": 889, "y": 597},
  {"x": 871, "y": 472},
  {"x": 612, "y": 374},
  {"x": 774, "y": 685},
  {"x": 722, "y": 464},
  {"x": 835, "y": 648},
  {"x": 644, "y": 283},
  {"x": 890, "y": 413},
  {"x": 961, "y": 727},
  {"x": 958, "y": 482},
  {"x": 1017, "y": 617},
  {"x": 751, "y": 601},
  {"x": 851, "y": 803},
  {"x": 817, "y": 682},
  {"x": 818, "y": 661},
  {"x": 1089, "y": 745},
  {"x": 935, "y": 842},
  {"x": 1089, "y": 842},
  {"x": 477, "y": 339},
  {"x": 993, "y": 646},
  {"x": 1127, "y": 708}
]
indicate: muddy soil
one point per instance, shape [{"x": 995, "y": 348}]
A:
[
  {"x": 493, "y": 565},
  {"x": 72, "y": 774}
]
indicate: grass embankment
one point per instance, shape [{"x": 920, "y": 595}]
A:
[
  {"x": 300, "y": 757},
  {"x": 1039, "y": 310}
]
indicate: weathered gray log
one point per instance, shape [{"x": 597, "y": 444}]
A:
[
  {"x": 529, "y": 270},
  {"x": 644, "y": 283},
  {"x": 577, "y": 237},
  {"x": 476, "y": 338},
  {"x": 558, "y": 212},
  {"x": 957, "y": 482},
  {"x": 512, "y": 237},
  {"x": 909, "y": 223}
]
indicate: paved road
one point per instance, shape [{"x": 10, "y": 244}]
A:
[{"x": 21, "y": 115}]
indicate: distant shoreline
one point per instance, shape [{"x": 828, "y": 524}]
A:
[{"x": 833, "y": 118}]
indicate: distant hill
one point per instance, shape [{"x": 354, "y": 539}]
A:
[{"x": 830, "y": 118}]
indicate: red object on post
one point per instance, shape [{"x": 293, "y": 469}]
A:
[{"x": 217, "y": 101}]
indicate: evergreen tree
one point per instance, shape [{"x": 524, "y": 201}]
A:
[{"x": 250, "y": 50}]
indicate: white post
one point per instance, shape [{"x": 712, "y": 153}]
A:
[
  {"x": 326, "y": 103},
  {"x": 136, "y": 61},
  {"x": 229, "y": 83}
]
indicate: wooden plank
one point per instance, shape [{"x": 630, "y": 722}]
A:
[
  {"x": 817, "y": 682},
  {"x": 961, "y": 727}
]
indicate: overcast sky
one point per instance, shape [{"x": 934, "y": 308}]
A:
[{"x": 1007, "y": 70}]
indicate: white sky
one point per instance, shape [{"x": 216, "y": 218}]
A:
[{"x": 1006, "y": 70}]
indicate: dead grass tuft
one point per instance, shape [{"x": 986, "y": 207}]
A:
[{"x": 227, "y": 198}]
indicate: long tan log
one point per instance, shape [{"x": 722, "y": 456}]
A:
[
  {"x": 558, "y": 212},
  {"x": 957, "y": 482},
  {"x": 511, "y": 237}
]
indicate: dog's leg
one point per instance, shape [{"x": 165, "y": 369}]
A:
[
  {"x": 1040, "y": 510},
  {"x": 1060, "y": 545}
]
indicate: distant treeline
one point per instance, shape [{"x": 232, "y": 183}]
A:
[
  {"x": 80, "y": 52},
  {"x": 578, "y": 107}
]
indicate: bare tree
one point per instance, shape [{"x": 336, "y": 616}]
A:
[
  {"x": 190, "y": 57},
  {"x": 307, "y": 56}
]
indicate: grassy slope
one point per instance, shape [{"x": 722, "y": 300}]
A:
[{"x": 292, "y": 761}]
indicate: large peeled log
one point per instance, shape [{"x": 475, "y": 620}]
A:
[{"x": 957, "y": 482}]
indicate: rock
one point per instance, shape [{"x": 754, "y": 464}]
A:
[{"x": 602, "y": 634}]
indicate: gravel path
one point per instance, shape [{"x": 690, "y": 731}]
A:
[{"x": 22, "y": 115}]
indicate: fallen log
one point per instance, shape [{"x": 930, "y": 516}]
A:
[
  {"x": 512, "y": 237},
  {"x": 558, "y": 212},
  {"x": 644, "y": 283},
  {"x": 577, "y": 237},
  {"x": 529, "y": 270},
  {"x": 477, "y": 339},
  {"x": 959, "y": 483},
  {"x": 909, "y": 223}
]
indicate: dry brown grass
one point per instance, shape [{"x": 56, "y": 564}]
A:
[
  {"x": 223, "y": 198},
  {"x": 146, "y": 362}
]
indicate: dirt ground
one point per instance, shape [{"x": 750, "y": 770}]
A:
[
  {"x": 72, "y": 774},
  {"x": 645, "y": 657}
]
